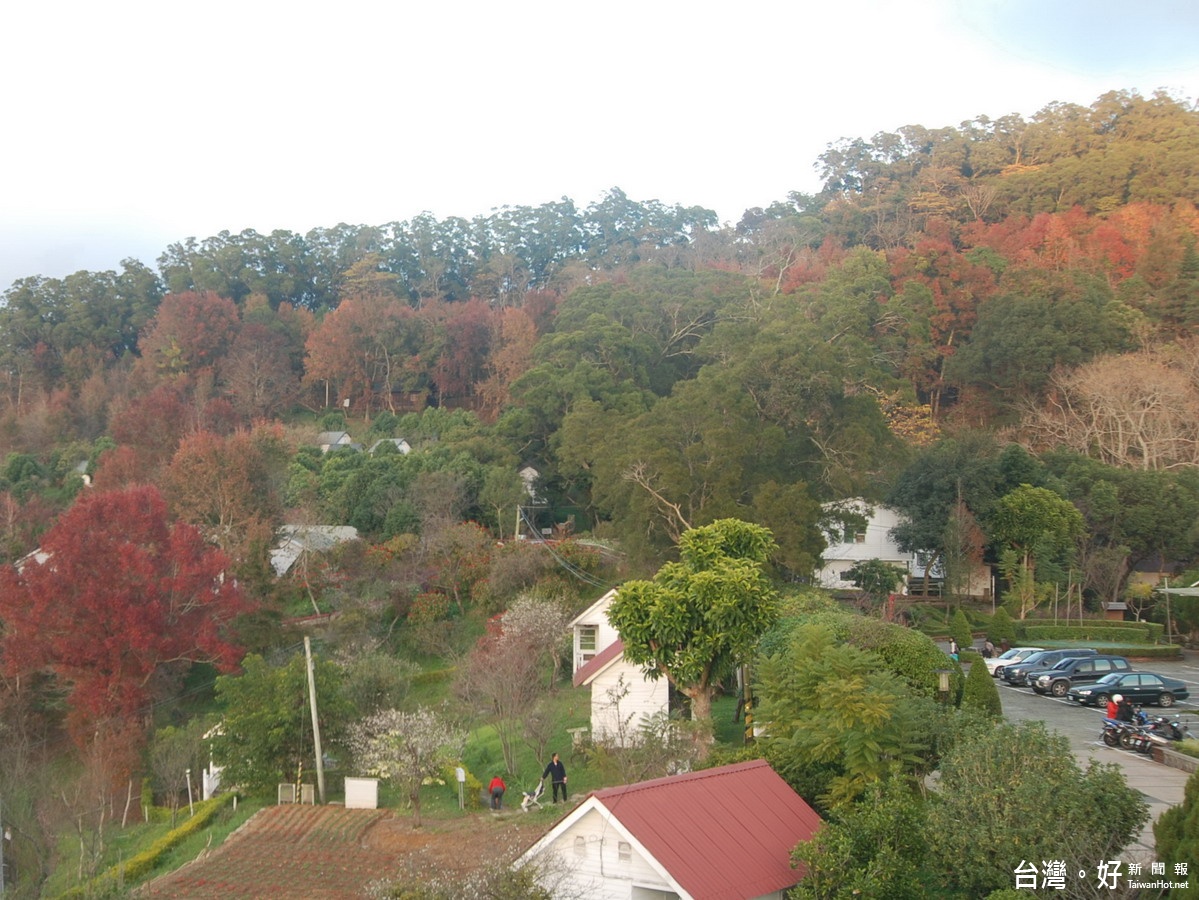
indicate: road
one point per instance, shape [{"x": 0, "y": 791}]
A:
[{"x": 1161, "y": 785}]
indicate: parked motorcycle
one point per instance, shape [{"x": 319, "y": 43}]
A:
[
  {"x": 1158, "y": 731},
  {"x": 1117, "y": 733}
]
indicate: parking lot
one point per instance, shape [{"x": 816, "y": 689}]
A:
[
  {"x": 1084, "y": 723},
  {"x": 1161, "y": 785}
]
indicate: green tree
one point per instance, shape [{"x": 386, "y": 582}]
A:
[
  {"x": 876, "y": 579},
  {"x": 1023, "y": 777},
  {"x": 872, "y": 848},
  {"x": 793, "y": 516},
  {"x": 1033, "y": 523},
  {"x": 981, "y": 693},
  {"x": 1002, "y": 628},
  {"x": 835, "y": 719},
  {"x": 701, "y": 617},
  {"x": 959, "y": 629},
  {"x": 1176, "y": 832},
  {"x": 265, "y": 736}
]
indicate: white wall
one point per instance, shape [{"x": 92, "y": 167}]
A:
[
  {"x": 597, "y": 617},
  {"x": 841, "y": 556},
  {"x": 638, "y": 698},
  {"x": 585, "y": 861}
]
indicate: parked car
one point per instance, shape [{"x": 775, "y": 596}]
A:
[
  {"x": 1139, "y": 687},
  {"x": 996, "y": 664},
  {"x": 1075, "y": 671},
  {"x": 1045, "y": 659}
]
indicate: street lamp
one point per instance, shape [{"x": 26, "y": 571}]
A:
[{"x": 943, "y": 684}]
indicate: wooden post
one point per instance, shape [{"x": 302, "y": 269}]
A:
[{"x": 316, "y": 727}]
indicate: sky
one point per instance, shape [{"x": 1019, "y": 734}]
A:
[{"x": 129, "y": 125}]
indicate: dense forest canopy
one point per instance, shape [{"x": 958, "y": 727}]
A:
[{"x": 1033, "y": 279}]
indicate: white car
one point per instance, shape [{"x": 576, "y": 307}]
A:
[{"x": 995, "y": 665}]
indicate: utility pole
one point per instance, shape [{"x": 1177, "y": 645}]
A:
[{"x": 316, "y": 728}]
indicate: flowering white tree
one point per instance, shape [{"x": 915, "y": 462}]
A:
[
  {"x": 504, "y": 674},
  {"x": 406, "y": 748}
]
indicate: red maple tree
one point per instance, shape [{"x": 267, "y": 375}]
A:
[{"x": 117, "y": 596}]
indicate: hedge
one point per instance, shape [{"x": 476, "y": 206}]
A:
[
  {"x": 1139, "y": 633},
  {"x": 141, "y": 864}
]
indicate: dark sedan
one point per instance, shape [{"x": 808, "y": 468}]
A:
[{"x": 1139, "y": 687}]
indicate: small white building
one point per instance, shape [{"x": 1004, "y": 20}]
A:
[
  {"x": 717, "y": 834},
  {"x": 334, "y": 440},
  {"x": 622, "y": 697}
]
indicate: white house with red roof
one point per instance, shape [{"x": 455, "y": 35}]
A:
[
  {"x": 717, "y": 834},
  {"x": 622, "y": 698}
]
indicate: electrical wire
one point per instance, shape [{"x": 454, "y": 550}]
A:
[{"x": 559, "y": 558}]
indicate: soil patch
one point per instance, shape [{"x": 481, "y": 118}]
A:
[{"x": 331, "y": 853}]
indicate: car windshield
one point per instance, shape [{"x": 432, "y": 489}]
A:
[
  {"x": 1113, "y": 678},
  {"x": 1008, "y": 654}
]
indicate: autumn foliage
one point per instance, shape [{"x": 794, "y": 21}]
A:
[{"x": 117, "y": 596}]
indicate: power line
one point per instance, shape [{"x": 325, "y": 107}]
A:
[{"x": 561, "y": 560}]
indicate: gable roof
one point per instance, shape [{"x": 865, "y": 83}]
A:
[
  {"x": 297, "y": 539},
  {"x": 399, "y": 443},
  {"x": 719, "y": 834},
  {"x": 598, "y": 663},
  {"x": 592, "y": 613}
]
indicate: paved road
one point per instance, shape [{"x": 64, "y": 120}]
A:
[{"x": 1083, "y": 726}]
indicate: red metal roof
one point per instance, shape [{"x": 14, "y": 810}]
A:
[
  {"x": 592, "y": 667},
  {"x": 724, "y": 833}
]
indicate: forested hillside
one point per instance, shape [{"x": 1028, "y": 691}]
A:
[{"x": 959, "y": 312}]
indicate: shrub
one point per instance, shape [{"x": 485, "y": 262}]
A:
[
  {"x": 1098, "y": 630},
  {"x": 140, "y": 865},
  {"x": 1001, "y": 628},
  {"x": 1176, "y": 833},
  {"x": 959, "y": 629},
  {"x": 980, "y": 692}
]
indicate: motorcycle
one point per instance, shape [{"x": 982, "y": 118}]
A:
[
  {"x": 1162, "y": 730},
  {"x": 1159, "y": 731},
  {"x": 1116, "y": 733}
]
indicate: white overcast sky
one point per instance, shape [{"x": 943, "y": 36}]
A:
[{"x": 128, "y": 125}]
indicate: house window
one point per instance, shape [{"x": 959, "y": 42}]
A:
[
  {"x": 580, "y": 846},
  {"x": 587, "y": 636},
  {"x": 859, "y": 537},
  {"x": 624, "y": 851}
]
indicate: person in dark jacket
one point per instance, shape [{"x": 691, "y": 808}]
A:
[
  {"x": 556, "y": 772},
  {"x": 1124, "y": 710}
]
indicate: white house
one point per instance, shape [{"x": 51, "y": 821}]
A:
[
  {"x": 621, "y": 696},
  {"x": 717, "y": 834},
  {"x": 855, "y": 544}
]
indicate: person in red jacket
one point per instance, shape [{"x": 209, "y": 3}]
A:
[
  {"x": 1113, "y": 705},
  {"x": 497, "y": 789}
]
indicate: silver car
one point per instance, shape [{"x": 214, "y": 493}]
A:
[{"x": 996, "y": 664}]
